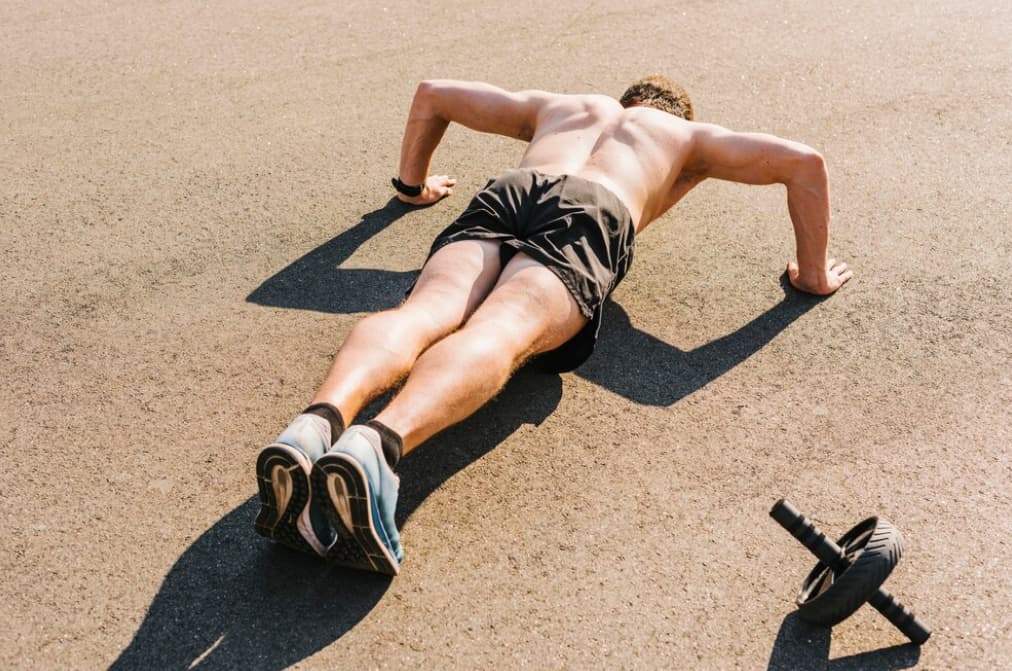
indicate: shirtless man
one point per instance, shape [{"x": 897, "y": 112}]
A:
[{"x": 524, "y": 271}]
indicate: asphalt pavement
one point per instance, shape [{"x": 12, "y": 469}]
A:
[{"x": 195, "y": 209}]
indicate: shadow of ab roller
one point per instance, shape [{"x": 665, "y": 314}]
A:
[{"x": 850, "y": 572}]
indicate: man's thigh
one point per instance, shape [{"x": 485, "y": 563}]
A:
[
  {"x": 455, "y": 280},
  {"x": 530, "y": 305}
]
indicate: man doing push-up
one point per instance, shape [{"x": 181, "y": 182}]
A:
[{"x": 524, "y": 271}]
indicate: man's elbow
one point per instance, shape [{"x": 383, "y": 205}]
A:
[
  {"x": 426, "y": 87},
  {"x": 426, "y": 101},
  {"x": 814, "y": 162},
  {"x": 425, "y": 91},
  {"x": 434, "y": 98},
  {"x": 807, "y": 166}
]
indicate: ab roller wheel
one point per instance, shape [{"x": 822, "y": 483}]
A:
[
  {"x": 850, "y": 572},
  {"x": 873, "y": 548}
]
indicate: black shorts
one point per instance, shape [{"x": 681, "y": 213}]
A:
[{"x": 576, "y": 228}]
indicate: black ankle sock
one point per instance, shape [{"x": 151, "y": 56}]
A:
[
  {"x": 393, "y": 444},
  {"x": 332, "y": 415}
]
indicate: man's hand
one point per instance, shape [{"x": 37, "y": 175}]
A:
[
  {"x": 436, "y": 187},
  {"x": 821, "y": 283}
]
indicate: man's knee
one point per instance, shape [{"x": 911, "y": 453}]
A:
[
  {"x": 439, "y": 311},
  {"x": 502, "y": 343}
]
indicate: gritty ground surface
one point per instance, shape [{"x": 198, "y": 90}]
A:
[{"x": 195, "y": 210}]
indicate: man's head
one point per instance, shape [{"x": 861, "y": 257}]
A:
[{"x": 660, "y": 93}]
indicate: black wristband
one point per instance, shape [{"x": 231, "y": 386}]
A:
[{"x": 409, "y": 191}]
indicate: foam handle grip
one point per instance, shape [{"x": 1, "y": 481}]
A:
[
  {"x": 828, "y": 552},
  {"x": 899, "y": 616}
]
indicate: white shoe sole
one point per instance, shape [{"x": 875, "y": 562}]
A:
[
  {"x": 283, "y": 481},
  {"x": 348, "y": 503}
]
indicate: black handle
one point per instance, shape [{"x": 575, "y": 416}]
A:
[
  {"x": 902, "y": 619},
  {"x": 830, "y": 554}
]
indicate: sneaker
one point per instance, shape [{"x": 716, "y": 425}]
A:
[
  {"x": 287, "y": 513},
  {"x": 358, "y": 491}
]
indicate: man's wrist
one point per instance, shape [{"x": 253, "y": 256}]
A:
[
  {"x": 411, "y": 191},
  {"x": 814, "y": 279}
]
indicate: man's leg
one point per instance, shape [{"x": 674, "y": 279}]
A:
[
  {"x": 378, "y": 352},
  {"x": 381, "y": 349},
  {"x": 529, "y": 311}
]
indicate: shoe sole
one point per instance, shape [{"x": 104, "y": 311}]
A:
[
  {"x": 349, "y": 505},
  {"x": 284, "y": 485}
]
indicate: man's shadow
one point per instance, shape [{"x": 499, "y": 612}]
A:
[
  {"x": 317, "y": 281},
  {"x": 801, "y": 646},
  {"x": 235, "y": 601},
  {"x": 649, "y": 371}
]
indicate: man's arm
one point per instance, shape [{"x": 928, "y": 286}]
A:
[
  {"x": 478, "y": 106},
  {"x": 756, "y": 158}
]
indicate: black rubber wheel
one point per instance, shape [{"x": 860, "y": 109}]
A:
[{"x": 873, "y": 548}]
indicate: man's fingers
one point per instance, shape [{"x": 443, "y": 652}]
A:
[
  {"x": 442, "y": 180},
  {"x": 846, "y": 276},
  {"x": 840, "y": 267}
]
